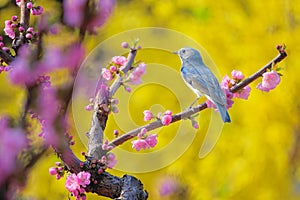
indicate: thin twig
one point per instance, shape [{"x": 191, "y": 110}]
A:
[
  {"x": 187, "y": 113},
  {"x": 118, "y": 82}
]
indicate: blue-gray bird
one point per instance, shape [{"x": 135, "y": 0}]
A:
[{"x": 201, "y": 80}]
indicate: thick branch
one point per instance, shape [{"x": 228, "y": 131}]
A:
[
  {"x": 25, "y": 15},
  {"x": 189, "y": 112},
  {"x": 99, "y": 119},
  {"x": 101, "y": 111}
]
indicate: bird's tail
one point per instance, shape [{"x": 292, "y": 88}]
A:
[{"x": 223, "y": 112}]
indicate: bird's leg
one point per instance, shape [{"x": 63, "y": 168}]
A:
[{"x": 194, "y": 101}]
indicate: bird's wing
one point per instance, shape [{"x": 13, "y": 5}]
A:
[{"x": 204, "y": 80}]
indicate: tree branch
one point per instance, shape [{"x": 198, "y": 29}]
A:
[
  {"x": 5, "y": 56},
  {"x": 100, "y": 116},
  {"x": 189, "y": 112},
  {"x": 101, "y": 111},
  {"x": 118, "y": 82},
  {"x": 24, "y": 21}
]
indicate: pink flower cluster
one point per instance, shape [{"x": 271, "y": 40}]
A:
[
  {"x": 57, "y": 171},
  {"x": 34, "y": 10},
  {"x": 76, "y": 184},
  {"x": 147, "y": 115},
  {"x": 136, "y": 74},
  {"x": 117, "y": 64},
  {"x": 269, "y": 81},
  {"x": 25, "y": 70},
  {"x": 10, "y": 26},
  {"x": 109, "y": 160},
  {"x": 76, "y": 12},
  {"x": 144, "y": 141},
  {"x": 226, "y": 84},
  {"x": 166, "y": 118},
  {"x": 12, "y": 141}
]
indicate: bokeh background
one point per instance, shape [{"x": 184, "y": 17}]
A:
[{"x": 258, "y": 154}]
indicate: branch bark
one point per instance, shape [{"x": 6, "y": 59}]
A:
[
  {"x": 101, "y": 111},
  {"x": 24, "y": 21},
  {"x": 189, "y": 112},
  {"x": 5, "y": 56}
]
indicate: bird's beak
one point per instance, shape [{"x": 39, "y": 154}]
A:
[{"x": 175, "y": 52}]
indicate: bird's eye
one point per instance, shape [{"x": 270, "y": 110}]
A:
[{"x": 183, "y": 51}]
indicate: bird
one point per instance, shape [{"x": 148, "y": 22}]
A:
[{"x": 200, "y": 79}]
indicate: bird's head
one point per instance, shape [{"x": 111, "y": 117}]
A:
[{"x": 188, "y": 53}]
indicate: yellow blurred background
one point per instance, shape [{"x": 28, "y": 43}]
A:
[{"x": 258, "y": 154}]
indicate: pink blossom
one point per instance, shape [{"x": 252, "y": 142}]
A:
[
  {"x": 238, "y": 75},
  {"x": 106, "y": 74},
  {"x": 243, "y": 93},
  {"x": 229, "y": 96},
  {"x": 111, "y": 160},
  {"x": 72, "y": 184},
  {"x": 113, "y": 68},
  {"x": 12, "y": 141},
  {"x": 105, "y": 145},
  {"x": 53, "y": 59},
  {"x": 21, "y": 72},
  {"x": 147, "y": 142},
  {"x": 18, "y": 2},
  {"x": 151, "y": 140},
  {"x": 84, "y": 178},
  {"x": 14, "y": 18},
  {"x": 28, "y": 35},
  {"x": 142, "y": 133},
  {"x": 139, "y": 144},
  {"x": 58, "y": 176},
  {"x": 127, "y": 88},
  {"x": 147, "y": 115},
  {"x": 119, "y": 60},
  {"x": 168, "y": 112},
  {"x": 9, "y": 30},
  {"x": 74, "y": 12},
  {"x": 48, "y": 107},
  {"x": 269, "y": 81},
  {"x": 37, "y": 10},
  {"x": 166, "y": 120},
  {"x": 52, "y": 171},
  {"x": 227, "y": 82},
  {"x": 103, "y": 10},
  {"x": 89, "y": 107},
  {"x": 29, "y": 5},
  {"x": 135, "y": 76},
  {"x": 116, "y": 133},
  {"x": 75, "y": 183},
  {"x": 74, "y": 56},
  {"x": 21, "y": 29},
  {"x": 195, "y": 124},
  {"x": 229, "y": 101},
  {"x": 125, "y": 45}
]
